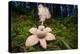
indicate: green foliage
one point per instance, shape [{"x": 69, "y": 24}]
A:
[{"x": 65, "y": 29}]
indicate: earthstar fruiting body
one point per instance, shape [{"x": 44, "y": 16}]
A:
[{"x": 40, "y": 34}]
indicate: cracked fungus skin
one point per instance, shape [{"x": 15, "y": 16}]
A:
[{"x": 41, "y": 35}]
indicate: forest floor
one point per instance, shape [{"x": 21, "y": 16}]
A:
[{"x": 65, "y": 29}]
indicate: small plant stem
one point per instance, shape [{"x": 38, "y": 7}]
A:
[{"x": 42, "y": 23}]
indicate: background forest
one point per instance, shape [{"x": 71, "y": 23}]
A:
[{"x": 64, "y": 23}]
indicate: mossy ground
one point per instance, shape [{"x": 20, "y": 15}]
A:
[{"x": 65, "y": 29}]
